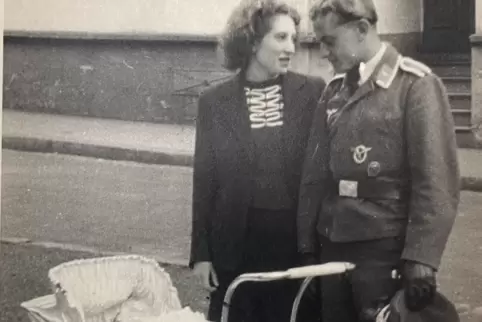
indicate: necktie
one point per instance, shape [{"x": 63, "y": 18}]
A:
[
  {"x": 351, "y": 79},
  {"x": 347, "y": 89}
]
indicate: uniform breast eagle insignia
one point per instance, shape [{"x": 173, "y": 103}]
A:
[{"x": 360, "y": 153}]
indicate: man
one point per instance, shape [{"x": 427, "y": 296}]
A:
[{"x": 381, "y": 182}]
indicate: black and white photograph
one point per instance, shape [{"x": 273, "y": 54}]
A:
[{"x": 241, "y": 161}]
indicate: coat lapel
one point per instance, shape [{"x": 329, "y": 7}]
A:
[
  {"x": 236, "y": 115},
  {"x": 294, "y": 100},
  {"x": 362, "y": 91}
]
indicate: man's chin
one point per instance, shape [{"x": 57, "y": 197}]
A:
[
  {"x": 338, "y": 69},
  {"x": 283, "y": 70}
]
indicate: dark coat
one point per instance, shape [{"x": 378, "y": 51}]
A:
[
  {"x": 403, "y": 115},
  {"x": 223, "y": 158}
]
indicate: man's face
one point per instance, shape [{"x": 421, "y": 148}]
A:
[{"x": 339, "y": 43}]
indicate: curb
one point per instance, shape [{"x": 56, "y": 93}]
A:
[
  {"x": 89, "y": 250},
  {"x": 97, "y": 151},
  {"x": 473, "y": 184}
]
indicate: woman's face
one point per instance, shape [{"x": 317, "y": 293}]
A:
[{"x": 274, "y": 52}]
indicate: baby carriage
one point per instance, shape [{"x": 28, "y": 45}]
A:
[{"x": 133, "y": 288}]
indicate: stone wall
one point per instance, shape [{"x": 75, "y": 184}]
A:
[
  {"x": 129, "y": 80},
  {"x": 476, "y": 41},
  {"x": 139, "y": 80}
]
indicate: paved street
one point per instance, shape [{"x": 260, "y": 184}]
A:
[
  {"x": 111, "y": 205},
  {"x": 123, "y": 206},
  {"x": 461, "y": 273}
]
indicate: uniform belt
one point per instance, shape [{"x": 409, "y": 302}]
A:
[{"x": 369, "y": 189}]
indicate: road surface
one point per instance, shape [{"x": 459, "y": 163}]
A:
[
  {"x": 109, "y": 205},
  {"x": 130, "y": 207}
]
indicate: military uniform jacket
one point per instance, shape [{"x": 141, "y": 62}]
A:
[{"x": 396, "y": 130}]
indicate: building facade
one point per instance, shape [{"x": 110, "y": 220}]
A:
[
  {"x": 146, "y": 60},
  {"x": 476, "y": 40}
]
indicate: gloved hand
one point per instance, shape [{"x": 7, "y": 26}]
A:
[{"x": 419, "y": 284}]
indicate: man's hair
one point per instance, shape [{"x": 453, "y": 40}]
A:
[
  {"x": 346, "y": 10},
  {"x": 249, "y": 23}
]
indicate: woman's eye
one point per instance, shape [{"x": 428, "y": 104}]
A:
[{"x": 281, "y": 36}]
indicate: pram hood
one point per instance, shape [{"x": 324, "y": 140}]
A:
[{"x": 107, "y": 289}]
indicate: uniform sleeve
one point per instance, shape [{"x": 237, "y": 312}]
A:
[
  {"x": 313, "y": 180},
  {"x": 204, "y": 185},
  {"x": 435, "y": 182}
]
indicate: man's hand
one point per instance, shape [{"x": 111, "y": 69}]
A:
[
  {"x": 419, "y": 284},
  {"x": 204, "y": 271}
]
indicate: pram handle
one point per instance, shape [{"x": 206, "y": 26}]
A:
[
  {"x": 307, "y": 272},
  {"x": 320, "y": 270}
]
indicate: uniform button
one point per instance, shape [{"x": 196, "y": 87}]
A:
[{"x": 374, "y": 169}]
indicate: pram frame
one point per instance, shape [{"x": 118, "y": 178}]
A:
[{"x": 305, "y": 272}]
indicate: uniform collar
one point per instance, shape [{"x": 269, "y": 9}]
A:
[
  {"x": 385, "y": 68},
  {"x": 367, "y": 69}
]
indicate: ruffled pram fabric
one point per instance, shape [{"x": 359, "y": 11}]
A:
[{"x": 126, "y": 288}]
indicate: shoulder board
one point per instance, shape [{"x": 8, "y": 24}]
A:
[{"x": 415, "y": 67}]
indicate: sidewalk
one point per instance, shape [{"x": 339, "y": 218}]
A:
[
  {"x": 138, "y": 141},
  {"x": 101, "y": 138}
]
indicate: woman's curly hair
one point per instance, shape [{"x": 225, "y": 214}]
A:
[{"x": 249, "y": 23}]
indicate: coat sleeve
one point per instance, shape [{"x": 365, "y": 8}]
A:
[
  {"x": 204, "y": 185},
  {"x": 312, "y": 183},
  {"x": 434, "y": 171}
]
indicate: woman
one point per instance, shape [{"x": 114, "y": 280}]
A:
[{"x": 251, "y": 135}]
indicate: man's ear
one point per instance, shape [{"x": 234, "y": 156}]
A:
[
  {"x": 363, "y": 27},
  {"x": 255, "y": 47}
]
